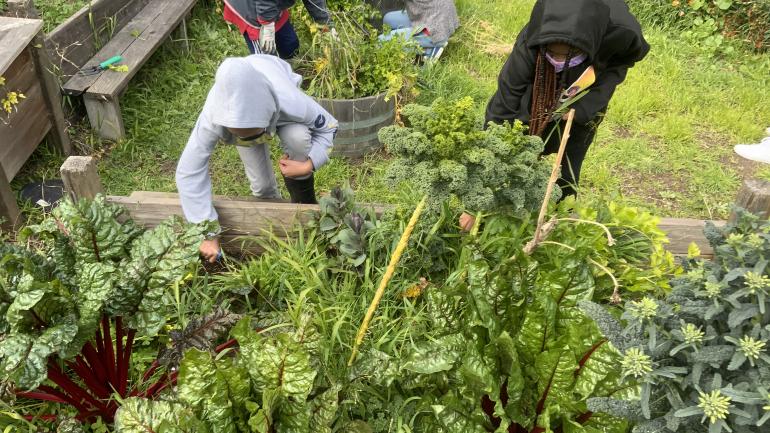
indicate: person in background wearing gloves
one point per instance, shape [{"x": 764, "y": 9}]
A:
[
  {"x": 562, "y": 39},
  {"x": 266, "y": 24},
  {"x": 252, "y": 99},
  {"x": 429, "y": 22}
]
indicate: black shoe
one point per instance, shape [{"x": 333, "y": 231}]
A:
[{"x": 301, "y": 190}]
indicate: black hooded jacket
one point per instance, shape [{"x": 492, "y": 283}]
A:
[{"x": 604, "y": 29}]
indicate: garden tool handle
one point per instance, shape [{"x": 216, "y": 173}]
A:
[{"x": 112, "y": 60}]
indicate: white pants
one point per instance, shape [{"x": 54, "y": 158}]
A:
[{"x": 295, "y": 142}]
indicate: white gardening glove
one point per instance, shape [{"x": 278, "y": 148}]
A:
[{"x": 267, "y": 38}]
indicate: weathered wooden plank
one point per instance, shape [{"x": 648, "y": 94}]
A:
[
  {"x": 75, "y": 41},
  {"x": 164, "y": 17},
  {"x": 30, "y": 123},
  {"x": 15, "y": 35},
  {"x": 145, "y": 195},
  {"x": 51, "y": 95},
  {"x": 81, "y": 177},
  {"x": 237, "y": 218},
  {"x": 105, "y": 116},
  {"x": 683, "y": 231},
  {"x": 9, "y": 210},
  {"x": 754, "y": 196}
]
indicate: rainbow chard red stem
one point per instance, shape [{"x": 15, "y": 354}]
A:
[{"x": 97, "y": 374}]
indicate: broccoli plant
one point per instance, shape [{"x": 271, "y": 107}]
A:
[
  {"x": 101, "y": 278},
  {"x": 701, "y": 354},
  {"x": 447, "y": 153}
]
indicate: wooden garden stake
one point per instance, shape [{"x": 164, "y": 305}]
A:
[
  {"x": 542, "y": 228},
  {"x": 402, "y": 243}
]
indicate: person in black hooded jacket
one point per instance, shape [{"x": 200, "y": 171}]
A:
[{"x": 561, "y": 40}]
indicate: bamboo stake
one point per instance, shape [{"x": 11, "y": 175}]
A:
[
  {"x": 539, "y": 232},
  {"x": 402, "y": 243}
]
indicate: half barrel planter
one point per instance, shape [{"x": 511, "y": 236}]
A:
[{"x": 359, "y": 122}]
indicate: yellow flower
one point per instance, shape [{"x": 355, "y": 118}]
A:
[
  {"x": 636, "y": 363},
  {"x": 692, "y": 335},
  {"x": 2, "y": 81},
  {"x": 715, "y": 405},
  {"x": 646, "y": 308}
]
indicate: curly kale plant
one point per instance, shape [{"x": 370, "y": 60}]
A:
[
  {"x": 99, "y": 272},
  {"x": 446, "y": 153},
  {"x": 701, "y": 354}
]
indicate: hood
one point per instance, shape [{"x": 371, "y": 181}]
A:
[
  {"x": 579, "y": 23},
  {"x": 243, "y": 97}
]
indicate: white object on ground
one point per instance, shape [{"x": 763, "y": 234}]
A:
[{"x": 759, "y": 152}]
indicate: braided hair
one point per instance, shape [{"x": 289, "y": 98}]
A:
[{"x": 545, "y": 91}]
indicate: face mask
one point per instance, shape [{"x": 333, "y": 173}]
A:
[
  {"x": 559, "y": 65},
  {"x": 260, "y": 138}
]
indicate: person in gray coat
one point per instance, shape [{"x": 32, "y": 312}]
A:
[
  {"x": 254, "y": 98},
  {"x": 429, "y": 22}
]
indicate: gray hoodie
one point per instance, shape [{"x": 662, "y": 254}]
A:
[
  {"x": 258, "y": 91},
  {"x": 438, "y": 16}
]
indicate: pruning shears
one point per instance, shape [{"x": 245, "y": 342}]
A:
[{"x": 101, "y": 66}]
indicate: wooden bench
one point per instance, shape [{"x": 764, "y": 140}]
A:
[{"x": 136, "y": 41}]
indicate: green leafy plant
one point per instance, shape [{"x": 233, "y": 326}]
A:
[
  {"x": 447, "y": 154},
  {"x": 701, "y": 353},
  {"x": 508, "y": 347},
  {"x": 354, "y": 63},
  {"x": 344, "y": 227},
  {"x": 100, "y": 276},
  {"x": 712, "y": 21},
  {"x": 267, "y": 386}
]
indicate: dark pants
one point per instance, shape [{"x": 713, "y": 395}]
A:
[
  {"x": 580, "y": 140},
  {"x": 286, "y": 41}
]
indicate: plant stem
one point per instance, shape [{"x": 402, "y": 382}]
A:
[
  {"x": 402, "y": 243},
  {"x": 130, "y": 336},
  {"x": 552, "y": 181},
  {"x": 109, "y": 352}
]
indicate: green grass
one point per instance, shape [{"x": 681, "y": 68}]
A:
[
  {"x": 665, "y": 145},
  {"x": 55, "y": 12}
]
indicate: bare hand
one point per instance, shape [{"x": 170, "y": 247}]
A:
[
  {"x": 209, "y": 250},
  {"x": 466, "y": 222},
  {"x": 291, "y": 168}
]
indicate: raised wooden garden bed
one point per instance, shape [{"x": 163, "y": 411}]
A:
[
  {"x": 242, "y": 218},
  {"x": 26, "y": 69}
]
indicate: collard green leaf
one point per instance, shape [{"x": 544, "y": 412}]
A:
[
  {"x": 205, "y": 389},
  {"x": 25, "y": 358},
  {"x": 556, "y": 374},
  {"x": 324, "y": 410},
  {"x": 293, "y": 417},
  {"x": 435, "y": 356},
  {"x": 159, "y": 258},
  {"x": 139, "y": 415},
  {"x": 93, "y": 229},
  {"x": 96, "y": 283},
  {"x": 279, "y": 363},
  {"x": 538, "y": 327}
]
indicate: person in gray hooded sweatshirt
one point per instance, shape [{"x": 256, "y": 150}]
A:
[{"x": 252, "y": 99}]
